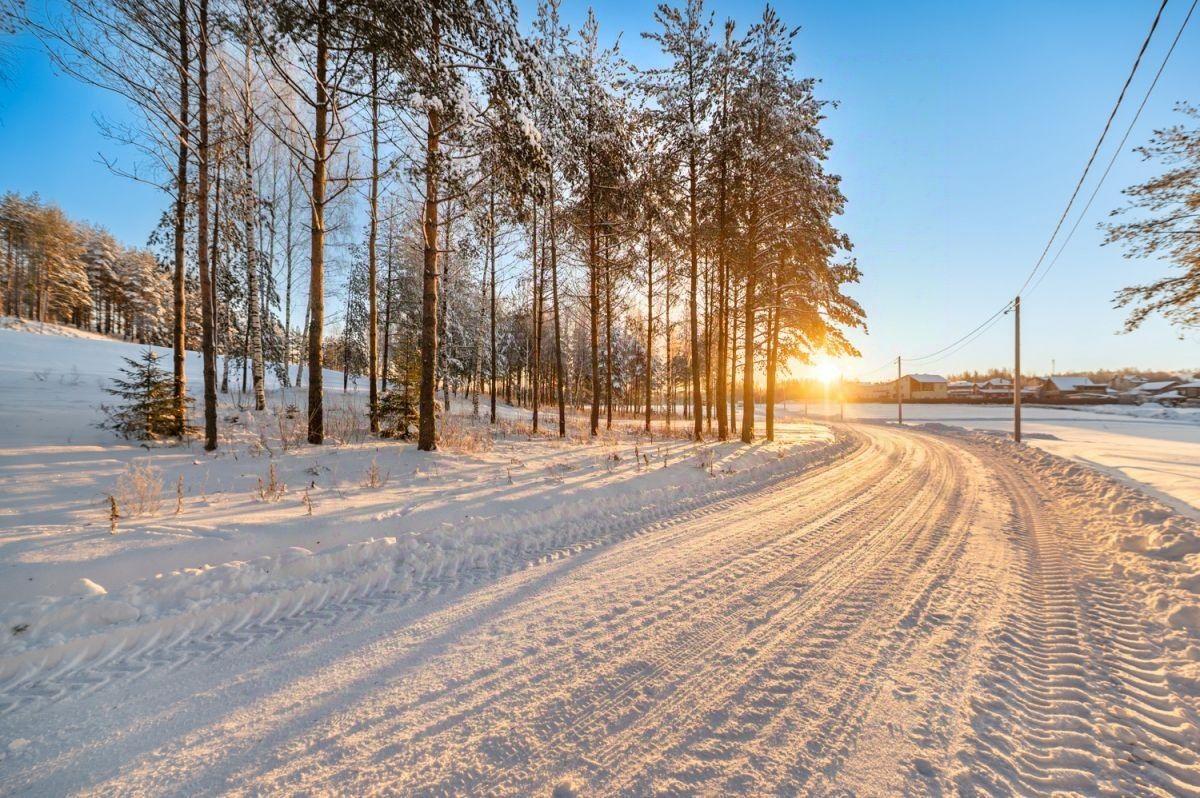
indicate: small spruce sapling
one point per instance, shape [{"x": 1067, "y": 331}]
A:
[{"x": 146, "y": 407}]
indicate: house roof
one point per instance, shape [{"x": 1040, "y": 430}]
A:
[
  {"x": 999, "y": 381},
  {"x": 1157, "y": 385},
  {"x": 926, "y": 377},
  {"x": 1072, "y": 383},
  {"x": 962, "y": 384},
  {"x": 1195, "y": 384}
]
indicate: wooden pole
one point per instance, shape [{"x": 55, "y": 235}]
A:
[
  {"x": 1017, "y": 372},
  {"x": 899, "y": 394}
]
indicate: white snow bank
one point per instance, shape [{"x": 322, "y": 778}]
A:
[
  {"x": 91, "y": 623},
  {"x": 1147, "y": 540},
  {"x": 1156, "y": 449}
]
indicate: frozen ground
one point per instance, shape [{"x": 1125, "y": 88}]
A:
[
  {"x": 1156, "y": 448},
  {"x": 862, "y": 610}
]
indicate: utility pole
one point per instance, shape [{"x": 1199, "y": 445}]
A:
[
  {"x": 899, "y": 394},
  {"x": 1017, "y": 371}
]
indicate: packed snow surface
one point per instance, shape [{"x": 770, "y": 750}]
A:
[
  {"x": 1153, "y": 447},
  {"x": 857, "y": 609}
]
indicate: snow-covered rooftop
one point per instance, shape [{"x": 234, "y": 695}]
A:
[
  {"x": 927, "y": 377},
  {"x": 1072, "y": 383},
  {"x": 1157, "y": 385}
]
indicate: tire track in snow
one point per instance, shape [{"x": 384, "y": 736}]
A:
[
  {"x": 915, "y": 619},
  {"x": 615, "y": 689},
  {"x": 1077, "y": 700},
  {"x": 183, "y": 643}
]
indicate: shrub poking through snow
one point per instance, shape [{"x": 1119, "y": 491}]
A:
[
  {"x": 114, "y": 515},
  {"x": 272, "y": 490},
  {"x": 375, "y": 478},
  {"x": 139, "y": 491},
  {"x": 146, "y": 409}
]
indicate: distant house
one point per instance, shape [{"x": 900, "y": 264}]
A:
[
  {"x": 997, "y": 388},
  {"x": 873, "y": 391},
  {"x": 959, "y": 389},
  {"x": 1148, "y": 389},
  {"x": 913, "y": 387},
  {"x": 1067, "y": 388},
  {"x": 924, "y": 386},
  {"x": 1190, "y": 391},
  {"x": 1126, "y": 382}
]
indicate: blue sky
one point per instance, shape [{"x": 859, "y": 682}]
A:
[{"x": 960, "y": 131}]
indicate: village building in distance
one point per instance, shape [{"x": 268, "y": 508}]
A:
[{"x": 1180, "y": 391}]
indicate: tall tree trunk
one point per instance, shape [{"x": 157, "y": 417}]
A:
[
  {"x": 748, "y": 303},
  {"x": 253, "y": 301},
  {"x": 722, "y": 311},
  {"x": 669, "y": 386},
  {"x": 733, "y": 360},
  {"x": 426, "y": 430},
  {"x": 477, "y": 350},
  {"x": 372, "y": 266},
  {"x": 179, "y": 282},
  {"x": 387, "y": 313},
  {"x": 773, "y": 322},
  {"x": 346, "y": 346},
  {"x": 444, "y": 317},
  {"x": 708, "y": 387},
  {"x": 207, "y": 326},
  {"x": 492, "y": 314},
  {"x": 536, "y": 359},
  {"x": 608, "y": 364},
  {"x": 316, "y": 281},
  {"x": 222, "y": 313},
  {"x": 287, "y": 299},
  {"x": 649, "y": 321},
  {"x": 693, "y": 285},
  {"x": 304, "y": 343},
  {"x": 593, "y": 303},
  {"x": 558, "y": 356}
]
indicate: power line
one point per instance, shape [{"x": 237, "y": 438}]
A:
[
  {"x": 1119, "y": 147},
  {"x": 985, "y": 323},
  {"x": 1091, "y": 159},
  {"x": 963, "y": 341}
]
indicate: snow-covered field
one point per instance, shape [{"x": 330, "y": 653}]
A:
[
  {"x": 1155, "y": 448},
  {"x": 858, "y": 609},
  {"x": 350, "y": 518}
]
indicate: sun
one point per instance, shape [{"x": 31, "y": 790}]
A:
[{"x": 826, "y": 372}]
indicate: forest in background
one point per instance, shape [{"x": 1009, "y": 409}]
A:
[{"x": 446, "y": 201}]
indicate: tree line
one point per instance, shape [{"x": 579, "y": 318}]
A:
[
  {"x": 56, "y": 269},
  {"x": 516, "y": 213}
]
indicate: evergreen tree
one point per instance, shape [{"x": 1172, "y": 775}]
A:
[
  {"x": 146, "y": 410},
  {"x": 1168, "y": 229}
]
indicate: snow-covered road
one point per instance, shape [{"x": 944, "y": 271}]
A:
[{"x": 920, "y": 616}]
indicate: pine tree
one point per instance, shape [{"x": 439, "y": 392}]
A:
[
  {"x": 1168, "y": 228},
  {"x": 146, "y": 410},
  {"x": 682, "y": 92}
]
